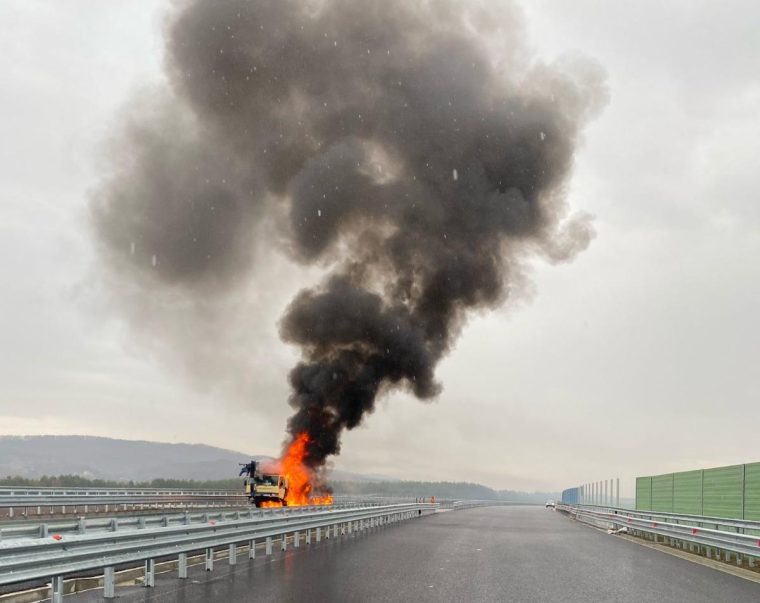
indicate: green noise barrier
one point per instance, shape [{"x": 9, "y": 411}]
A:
[{"x": 731, "y": 492}]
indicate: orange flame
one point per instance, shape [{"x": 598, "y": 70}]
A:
[
  {"x": 300, "y": 477},
  {"x": 266, "y": 504}
]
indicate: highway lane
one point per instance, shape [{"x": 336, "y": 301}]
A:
[{"x": 498, "y": 554}]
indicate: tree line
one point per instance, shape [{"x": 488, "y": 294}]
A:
[
  {"x": 77, "y": 481},
  {"x": 455, "y": 490}
]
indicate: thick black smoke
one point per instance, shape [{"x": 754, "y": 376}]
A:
[{"x": 412, "y": 148}]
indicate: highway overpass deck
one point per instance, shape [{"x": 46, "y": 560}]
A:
[{"x": 500, "y": 554}]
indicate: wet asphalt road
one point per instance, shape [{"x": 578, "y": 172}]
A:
[{"x": 499, "y": 554}]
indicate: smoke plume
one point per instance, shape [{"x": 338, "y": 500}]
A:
[{"x": 414, "y": 150}]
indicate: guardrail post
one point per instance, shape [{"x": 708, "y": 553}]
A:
[
  {"x": 209, "y": 560},
  {"x": 56, "y": 588},
  {"x": 319, "y": 534},
  {"x": 150, "y": 573},
  {"x": 284, "y": 542},
  {"x": 297, "y": 539},
  {"x": 233, "y": 554},
  {"x": 182, "y": 566},
  {"x": 308, "y": 536},
  {"x": 108, "y": 583},
  {"x": 269, "y": 545},
  {"x": 252, "y": 549}
]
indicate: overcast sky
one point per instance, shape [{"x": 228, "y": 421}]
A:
[{"x": 639, "y": 357}]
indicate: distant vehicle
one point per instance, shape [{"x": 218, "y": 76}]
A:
[
  {"x": 265, "y": 489},
  {"x": 551, "y": 503}
]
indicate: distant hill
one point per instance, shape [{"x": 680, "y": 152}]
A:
[
  {"x": 106, "y": 458},
  {"x": 441, "y": 490},
  {"x": 115, "y": 460},
  {"x": 124, "y": 460}
]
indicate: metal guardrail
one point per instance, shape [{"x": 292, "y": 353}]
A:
[
  {"x": 84, "y": 525},
  {"x": 20, "y": 500},
  {"x": 706, "y": 521},
  {"x": 27, "y": 559},
  {"x": 714, "y": 534},
  {"x": 33, "y": 497}
]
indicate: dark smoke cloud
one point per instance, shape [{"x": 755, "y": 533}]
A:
[{"x": 412, "y": 148}]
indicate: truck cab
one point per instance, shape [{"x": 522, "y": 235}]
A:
[{"x": 262, "y": 487}]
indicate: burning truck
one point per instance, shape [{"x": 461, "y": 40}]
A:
[
  {"x": 264, "y": 488},
  {"x": 287, "y": 481}
]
